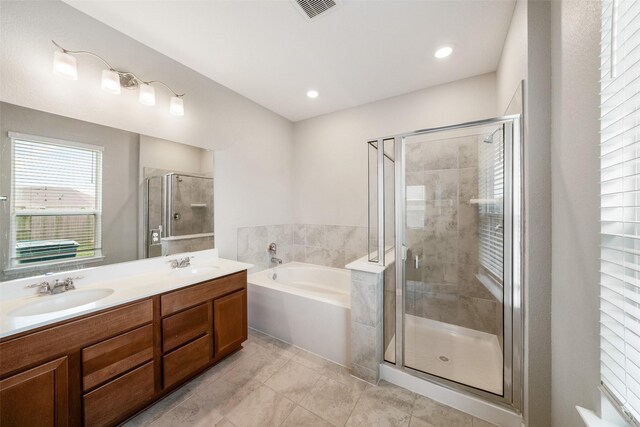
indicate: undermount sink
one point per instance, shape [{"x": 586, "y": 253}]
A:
[
  {"x": 192, "y": 271},
  {"x": 64, "y": 301}
]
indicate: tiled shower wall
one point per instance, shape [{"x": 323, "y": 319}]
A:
[
  {"x": 328, "y": 245},
  {"x": 443, "y": 233}
]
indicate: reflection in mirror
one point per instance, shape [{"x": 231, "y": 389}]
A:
[
  {"x": 178, "y": 207},
  {"x": 80, "y": 194}
]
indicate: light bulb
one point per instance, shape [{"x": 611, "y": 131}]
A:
[
  {"x": 111, "y": 82},
  {"x": 312, "y": 94},
  {"x": 443, "y": 52},
  {"x": 65, "y": 65},
  {"x": 177, "y": 106},
  {"x": 147, "y": 94}
]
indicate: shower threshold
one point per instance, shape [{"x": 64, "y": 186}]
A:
[{"x": 452, "y": 352}]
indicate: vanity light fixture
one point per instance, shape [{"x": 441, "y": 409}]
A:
[
  {"x": 65, "y": 65},
  {"x": 443, "y": 52},
  {"x": 177, "y": 106},
  {"x": 111, "y": 82},
  {"x": 147, "y": 94},
  {"x": 312, "y": 94}
]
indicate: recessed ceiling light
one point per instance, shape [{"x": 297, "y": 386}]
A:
[
  {"x": 312, "y": 94},
  {"x": 443, "y": 52}
]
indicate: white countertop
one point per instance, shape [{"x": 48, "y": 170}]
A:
[{"x": 129, "y": 281}]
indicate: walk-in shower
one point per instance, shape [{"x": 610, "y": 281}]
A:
[{"x": 447, "y": 202}]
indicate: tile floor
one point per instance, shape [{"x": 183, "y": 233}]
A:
[{"x": 271, "y": 383}]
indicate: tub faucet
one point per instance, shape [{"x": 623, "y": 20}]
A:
[{"x": 276, "y": 260}]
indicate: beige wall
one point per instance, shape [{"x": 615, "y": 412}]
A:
[
  {"x": 537, "y": 218},
  {"x": 512, "y": 68},
  {"x": 576, "y": 213},
  {"x": 162, "y": 154},
  {"x": 330, "y": 151}
]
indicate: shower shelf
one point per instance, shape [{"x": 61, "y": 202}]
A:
[{"x": 485, "y": 201}]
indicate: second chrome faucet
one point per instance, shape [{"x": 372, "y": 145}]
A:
[{"x": 180, "y": 263}]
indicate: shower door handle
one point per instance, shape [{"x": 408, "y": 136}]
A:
[{"x": 416, "y": 262}]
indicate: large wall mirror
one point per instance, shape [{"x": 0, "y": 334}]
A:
[{"x": 75, "y": 194}]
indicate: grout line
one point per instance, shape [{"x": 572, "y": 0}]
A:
[{"x": 354, "y": 406}]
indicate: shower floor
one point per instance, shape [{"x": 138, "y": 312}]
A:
[{"x": 458, "y": 354}]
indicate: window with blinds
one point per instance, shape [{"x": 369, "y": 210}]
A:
[
  {"x": 56, "y": 202},
  {"x": 620, "y": 205},
  {"x": 490, "y": 203}
]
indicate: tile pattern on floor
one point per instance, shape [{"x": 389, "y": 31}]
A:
[{"x": 271, "y": 383}]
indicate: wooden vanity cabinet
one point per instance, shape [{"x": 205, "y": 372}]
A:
[
  {"x": 202, "y": 324},
  {"x": 102, "y": 368}
]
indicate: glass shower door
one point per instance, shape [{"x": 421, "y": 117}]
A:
[{"x": 456, "y": 267}]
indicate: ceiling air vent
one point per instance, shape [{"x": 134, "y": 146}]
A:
[{"x": 314, "y": 8}]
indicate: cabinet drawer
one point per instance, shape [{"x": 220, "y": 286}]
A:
[
  {"x": 194, "y": 295},
  {"x": 186, "y": 360},
  {"x": 116, "y": 400},
  {"x": 68, "y": 337},
  {"x": 185, "y": 326},
  {"x": 108, "y": 359}
]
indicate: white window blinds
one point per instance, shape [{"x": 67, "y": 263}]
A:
[
  {"x": 56, "y": 200},
  {"x": 490, "y": 203},
  {"x": 620, "y": 204}
]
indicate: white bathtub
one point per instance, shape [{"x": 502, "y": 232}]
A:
[{"x": 306, "y": 305}]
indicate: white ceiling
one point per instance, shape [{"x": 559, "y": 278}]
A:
[{"x": 364, "y": 51}]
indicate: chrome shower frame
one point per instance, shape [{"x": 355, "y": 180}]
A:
[{"x": 513, "y": 308}]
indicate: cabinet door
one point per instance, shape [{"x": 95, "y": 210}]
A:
[
  {"x": 37, "y": 397},
  {"x": 229, "y": 322}
]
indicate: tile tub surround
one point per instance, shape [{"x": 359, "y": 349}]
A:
[
  {"x": 366, "y": 325},
  {"x": 285, "y": 386},
  {"x": 328, "y": 245},
  {"x": 443, "y": 234}
]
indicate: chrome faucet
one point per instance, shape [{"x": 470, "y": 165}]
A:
[
  {"x": 62, "y": 286},
  {"x": 58, "y": 287},
  {"x": 43, "y": 288},
  {"x": 180, "y": 263},
  {"x": 272, "y": 250}
]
